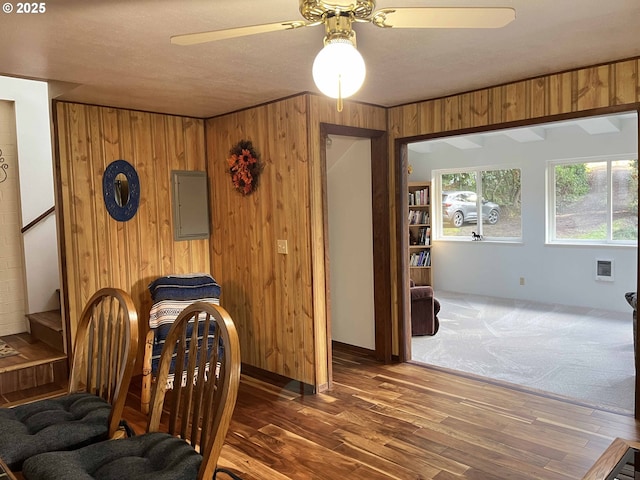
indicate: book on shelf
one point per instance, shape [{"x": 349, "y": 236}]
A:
[
  {"x": 419, "y": 197},
  {"x": 420, "y": 259},
  {"x": 417, "y": 217},
  {"x": 425, "y": 236}
]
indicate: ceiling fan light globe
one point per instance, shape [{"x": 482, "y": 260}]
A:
[{"x": 339, "y": 69}]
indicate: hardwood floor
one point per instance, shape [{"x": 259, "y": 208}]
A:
[{"x": 406, "y": 421}]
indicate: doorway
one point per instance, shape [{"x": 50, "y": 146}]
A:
[
  {"x": 552, "y": 259},
  {"x": 350, "y": 240},
  {"x": 379, "y": 201}
]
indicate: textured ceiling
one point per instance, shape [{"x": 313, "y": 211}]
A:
[{"x": 118, "y": 53}]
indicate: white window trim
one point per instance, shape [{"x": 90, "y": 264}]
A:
[
  {"x": 436, "y": 202},
  {"x": 551, "y": 201}
]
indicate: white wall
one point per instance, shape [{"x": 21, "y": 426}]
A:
[
  {"x": 33, "y": 131},
  {"x": 12, "y": 282},
  {"x": 350, "y": 241},
  {"x": 553, "y": 273}
]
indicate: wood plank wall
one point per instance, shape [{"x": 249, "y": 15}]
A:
[
  {"x": 600, "y": 87},
  {"x": 97, "y": 250},
  {"x": 277, "y": 301}
]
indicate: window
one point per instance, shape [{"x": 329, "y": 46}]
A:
[
  {"x": 494, "y": 193},
  {"x": 594, "y": 202}
]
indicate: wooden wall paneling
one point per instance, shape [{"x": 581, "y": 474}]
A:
[
  {"x": 175, "y": 150},
  {"x": 97, "y": 165},
  {"x": 128, "y": 232},
  {"x": 451, "y": 114},
  {"x": 123, "y": 230},
  {"x": 437, "y": 112},
  {"x": 438, "y": 123},
  {"x": 83, "y": 188},
  {"x": 175, "y": 142},
  {"x": 114, "y": 237},
  {"x": 65, "y": 220},
  {"x": 626, "y": 82},
  {"x": 164, "y": 226},
  {"x": 268, "y": 343},
  {"x": 100, "y": 251},
  {"x": 192, "y": 131},
  {"x": 515, "y": 102},
  {"x": 317, "y": 111},
  {"x": 63, "y": 210},
  {"x": 299, "y": 205},
  {"x": 282, "y": 340},
  {"x": 466, "y": 110},
  {"x": 410, "y": 119},
  {"x": 394, "y": 116},
  {"x": 306, "y": 198},
  {"x": 496, "y": 103},
  {"x": 537, "y": 97},
  {"x": 196, "y": 130},
  {"x": 560, "y": 93},
  {"x": 194, "y": 150},
  {"x": 593, "y": 87},
  {"x": 257, "y": 243},
  {"x": 144, "y": 239},
  {"x": 426, "y": 114},
  {"x": 148, "y": 244},
  {"x": 269, "y": 293},
  {"x": 480, "y": 108},
  {"x": 268, "y": 228}
]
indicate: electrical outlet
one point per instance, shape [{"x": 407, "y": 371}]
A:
[
  {"x": 521, "y": 280},
  {"x": 282, "y": 247}
]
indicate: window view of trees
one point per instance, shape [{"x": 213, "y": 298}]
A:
[
  {"x": 500, "y": 206},
  {"x": 596, "y": 201}
]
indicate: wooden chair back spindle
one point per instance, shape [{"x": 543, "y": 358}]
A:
[
  {"x": 203, "y": 344},
  {"x": 105, "y": 349}
]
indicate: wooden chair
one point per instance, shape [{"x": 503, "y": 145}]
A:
[
  {"x": 106, "y": 346},
  {"x": 199, "y": 411}
]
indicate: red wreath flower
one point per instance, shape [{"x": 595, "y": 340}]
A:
[{"x": 244, "y": 167}]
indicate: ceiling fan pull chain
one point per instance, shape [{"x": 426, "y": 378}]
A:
[{"x": 339, "y": 106}]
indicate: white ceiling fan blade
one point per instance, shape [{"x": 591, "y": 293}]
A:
[
  {"x": 203, "y": 37},
  {"x": 443, "y": 17}
]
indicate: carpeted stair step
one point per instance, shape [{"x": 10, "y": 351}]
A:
[{"x": 47, "y": 327}]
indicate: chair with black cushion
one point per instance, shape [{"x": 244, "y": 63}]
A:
[
  {"x": 106, "y": 346},
  {"x": 198, "y": 411}
]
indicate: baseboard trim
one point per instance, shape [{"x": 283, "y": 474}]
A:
[
  {"x": 278, "y": 380},
  {"x": 353, "y": 349}
]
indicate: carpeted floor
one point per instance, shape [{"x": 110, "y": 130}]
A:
[
  {"x": 573, "y": 352},
  {"x": 7, "y": 350}
]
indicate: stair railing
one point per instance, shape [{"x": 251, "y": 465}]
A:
[{"x": 38, "y": 220}]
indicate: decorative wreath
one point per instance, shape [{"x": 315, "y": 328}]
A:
[{"x": 244, "y": 167}]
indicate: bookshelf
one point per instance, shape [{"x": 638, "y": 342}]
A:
[{"x": 419, "y": 198}]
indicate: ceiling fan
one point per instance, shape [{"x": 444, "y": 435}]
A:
[{"x": 339, "y": 69}]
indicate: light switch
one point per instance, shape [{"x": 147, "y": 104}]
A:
[{"x": 282, "y": 247}]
